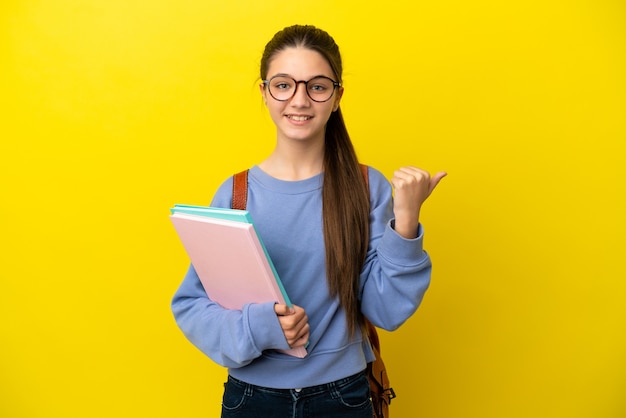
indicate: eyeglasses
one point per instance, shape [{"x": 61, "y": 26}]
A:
[{"x": 319, "y": 89}]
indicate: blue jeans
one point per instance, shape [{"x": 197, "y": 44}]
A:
[{"x": 345, "y": 398}]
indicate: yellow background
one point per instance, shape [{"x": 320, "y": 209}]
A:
[{"x": 113, "y": 110}]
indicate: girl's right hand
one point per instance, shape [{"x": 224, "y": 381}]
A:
[{"x": 295, "y": 324}]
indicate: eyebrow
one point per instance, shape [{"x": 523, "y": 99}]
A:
[{"x": 290, "y": 76}]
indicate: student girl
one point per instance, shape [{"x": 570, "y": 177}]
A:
[{"x": 344, "y": 249}]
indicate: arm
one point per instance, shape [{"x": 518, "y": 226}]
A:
[
  {"x": 231, "y": 338},
  {"x": 397, "y": 270},
  {"x": 234, "y": 338}
]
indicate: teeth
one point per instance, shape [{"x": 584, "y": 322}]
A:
[{"x": 298, "y": 118}]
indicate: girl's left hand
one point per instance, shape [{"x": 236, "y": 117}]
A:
[{"x": 412, "y": 186}]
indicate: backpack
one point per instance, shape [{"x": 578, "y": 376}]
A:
[{"x": 380, "y": 391}]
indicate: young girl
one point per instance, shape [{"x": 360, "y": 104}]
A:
[{"x": 343, "y": 248}]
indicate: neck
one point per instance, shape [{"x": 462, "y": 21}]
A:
[{"x": 293, "y": 163}]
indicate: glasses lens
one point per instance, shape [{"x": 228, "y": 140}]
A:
[
  {"x": 282, "y": 88},
  {"x": 320, "y": 89}
]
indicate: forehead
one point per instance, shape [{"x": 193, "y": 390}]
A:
[{"x": 300, "y": 63}]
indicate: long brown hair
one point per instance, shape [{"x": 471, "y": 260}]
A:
[{"x": 345, "y": 197}]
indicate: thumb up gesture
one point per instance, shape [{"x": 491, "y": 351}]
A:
[{"x": 412, "y": 186}]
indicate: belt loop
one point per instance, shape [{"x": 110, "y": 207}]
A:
[
  {"x": 249, "y": 391},
  {"x": 332, "y": 389}
]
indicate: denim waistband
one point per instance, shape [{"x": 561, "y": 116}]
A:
[{"x": 310, "y": 390}]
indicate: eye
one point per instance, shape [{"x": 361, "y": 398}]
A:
[
  {"x": 318, "y": 88},
  {"x": 320, "y": 85},
  {"x": 282, "y": 84}
]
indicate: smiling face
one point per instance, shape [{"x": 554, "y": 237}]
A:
[{"x": 300, "y": 118}]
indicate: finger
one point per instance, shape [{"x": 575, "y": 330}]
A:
[
  {"x": 409, "y": 173},
  {"x": 434, "y": 181},
  {"x": 404, "y": 179},
  {"x": 412, "y": 171},
  {"x": 283, "y": 310},
  {"x": 302, "y": 322},
  {"x": 301, "y": 339},
  {"x": 295, "y": 322},
  {"x": 295, "y": 334}
]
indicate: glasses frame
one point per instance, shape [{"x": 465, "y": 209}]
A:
[{"x": 266, "y": 83}]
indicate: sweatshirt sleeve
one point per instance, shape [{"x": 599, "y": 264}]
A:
[
  {"x": 231, "y": 338},
  {"x": 397, "y": 270}
]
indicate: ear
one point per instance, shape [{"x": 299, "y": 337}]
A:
[
  {"x": 263, "y": 90},
  {"x": 338, "y": 99}
]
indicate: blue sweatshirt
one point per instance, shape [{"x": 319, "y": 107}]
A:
[{"x": 288, "y": 217}]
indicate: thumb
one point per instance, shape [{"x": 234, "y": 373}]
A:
[
  {"x": 282, "y": 309},
  {"x": 434, "y": 180}
]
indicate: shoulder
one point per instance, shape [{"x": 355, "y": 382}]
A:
[
  {"x": 224, "y": 194},
  {"x": 378, "y": 183}
]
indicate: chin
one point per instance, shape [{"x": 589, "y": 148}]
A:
[{"x": 302, "y": 135}]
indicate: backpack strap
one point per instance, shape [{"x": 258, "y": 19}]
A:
[
  {"x": 366, "y": 175},
  {"x": 240, "y": 190}
]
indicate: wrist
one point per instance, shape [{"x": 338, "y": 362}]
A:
[{"x": 406, "y": 229}]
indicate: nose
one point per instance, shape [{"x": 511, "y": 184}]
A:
[{"x": 300, "y": 96}]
